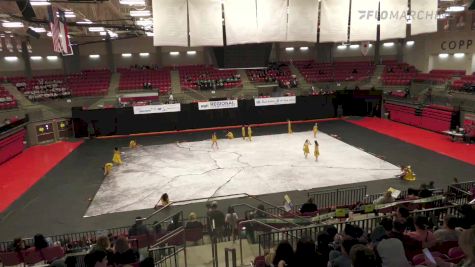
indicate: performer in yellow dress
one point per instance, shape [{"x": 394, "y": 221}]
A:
[
  {"x": 249, "y": 132},
  {"x": 214, "y": 141},
  {"x": 306, "y": 149},
  {"x": 230, "y": 135},
  {"x": 117, "y": 159},
  {"x": 315, "y": 130},
  {"x": 108, "y": 168},
  {"x": 132, "y": 144},
  {"x": 243, "y": 131},
  {"x": 409, "y": 174},
  {"x": 289, "y": 126},
  {"x": 316, "y": 152}
]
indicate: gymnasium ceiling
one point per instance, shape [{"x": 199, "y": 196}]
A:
[{"x": 110, "y": 14}]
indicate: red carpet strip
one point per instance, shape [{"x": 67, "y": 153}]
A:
[
  {"x": 429, "y": 140},
  {"x": 21, "y": 172}
]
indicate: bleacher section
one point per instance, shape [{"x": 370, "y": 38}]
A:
[
  {"x": 7, "y": 101},
  {"x": 201, "y": 77},
  {"x": 398, "y": 73},
  {"x": 138, "y": 79},
  {"x": 86, "y": 83},
  {"x": 276, "y": 72},
  {"x": 438, "y": 76},
  {"x": 466, "y": 83},
  {"x": 433, "y": 117},
  {"x": 334, "y": 72}
]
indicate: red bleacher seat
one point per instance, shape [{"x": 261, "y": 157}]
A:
[
  {"x": 334, "y": 72},
  {"x": 10, "y": 258}
]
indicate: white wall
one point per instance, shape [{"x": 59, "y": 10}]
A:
[
  {"x": 296, "y": 54},
  {"x": 452, "y": 63}
]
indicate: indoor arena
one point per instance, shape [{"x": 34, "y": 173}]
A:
[{"x": 250, "y": 133}]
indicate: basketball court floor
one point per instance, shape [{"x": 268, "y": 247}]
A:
[{"x": 268, "y": 164}]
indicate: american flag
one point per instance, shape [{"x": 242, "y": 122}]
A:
[{"x": 59, "y": 31}]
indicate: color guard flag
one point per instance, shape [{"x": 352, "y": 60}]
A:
[
  {"x": 59, "y": 31},
  {"x": 364, "y": 48}
]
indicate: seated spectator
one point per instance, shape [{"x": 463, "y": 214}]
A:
[
  {"x": 468, "y": 216},
  {"x": 103, "y": 244},
  {"x": 305, "y": 255},
  {"x": 411, "y": 245},
  {"x": 466, "y": 241},
  {"x": 323, "y": 248},
  {"x": 175, "y": 223},
  {"x": 362, "y": 256},
  {"x": 284, "y": 255},
  {"x": 17, "y": 245},
  {"x": 389, "y": 250},
  {"x": 422, "y": 233},
  {"x": 157, "y": 228},
  {"x": 123, "y": 253},
  {"x": 342, "y": 259},
  {"x": 404, "y": 216},
  {"x": 192, "y": 222},
  {"x": 448, "y": 232},
  {"x": 138, "y": 228},
  {"x": 308, "y": 207},
  {"x": 384, "y": 199},
  {"x": 40, "y": 242},
  {"x": 96, "y": 258}
]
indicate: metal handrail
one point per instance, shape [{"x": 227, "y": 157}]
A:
[
  {"x": 265, "y": 212},
  {"x": 169, "y": 256},
  {"x": 171, "y": 234}
]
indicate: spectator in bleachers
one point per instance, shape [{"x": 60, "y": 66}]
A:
[
  {"x": 305, "y": 255},
  {"x": 466, "y": 243},
  {"x": 138, "y": 228},
  {"x": 192, "y": 222},
  {"x": 410, "y": 244},
  {"x": 468, "y": 216},
  {"x": 96, "y": 258},
  {"x": 342, "y": 258},
  {"x": 103, "y": 244},
  {"x": 216, "y": 220},
  {"x": 323, "y": 248},
  {"x": 389, "y": 250},
  {"x": 308, "y": 207},
  {"x": 123, "y": 253},
  {"x": 17, "y": 245},
  {"x": 384, "y": 199},
  {"x": 403, "y": 214},
  {"x": 362, "y": 256},
  {"x": 175, "y": 223},
  {"x": 448, "y": 232},
  {"x": 40, "y": 242},
  {"x": 284, "y": 255},
  {"x": 422, "y": 233}
]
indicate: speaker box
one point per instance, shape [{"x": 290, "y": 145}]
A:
[
  {"x": 33, "y": 33},
  {"x": 26, "y": 9}
]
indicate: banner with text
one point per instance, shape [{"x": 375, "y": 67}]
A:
[
  {"x": 273, "y": 101},
  {"x": 218, "y": 104},
  {"x": 138, "y": 110}
]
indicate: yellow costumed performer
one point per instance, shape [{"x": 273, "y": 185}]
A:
[
  {"x": 117, "y": 159},
  {"x": 243, "y": 131},
  {"x": 316, "y": 152},
  {"x": 214, "y": 141},
  {"x": 289, "y": 126},
  {"x": 108, "y": 168},
  {"x": 230, "y": 135},
  {"x": 249, "y": 132},
  {"x": 306, "y": 149},
  {"x": 315, "y": 130},
  {"x": 409, "y": 174},
  {"x": 133, "y": 144}
]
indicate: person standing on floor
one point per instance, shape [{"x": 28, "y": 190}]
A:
[
  {"x": 214, "y": 141},
  {"x": 243, "y": 131},
  {"x": 316, "y": 152},
  {"x": 249, "y": 132},
  {"x": 306, "y": 149},
  {"x": 289, "y": 126},
  {"x": 108, "y": 168},
  {"x": 315, "y": 130}
]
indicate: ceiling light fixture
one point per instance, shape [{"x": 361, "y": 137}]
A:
[
  {"x": 85, "y": 21},
  {"x": 455, "y": 9},
  {"x": 13, "y": 24},
  {"x": 132, "y": 2},
  {"x": 140, "y": 13},
  {"x": 40, "y": 2},
  {"x": 37, "y": 29},
  {"x": 96, "y": 29}
]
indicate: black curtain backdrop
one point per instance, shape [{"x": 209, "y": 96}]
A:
[{"x": 121, "y": 121}]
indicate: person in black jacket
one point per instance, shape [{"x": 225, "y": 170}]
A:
[
  {"x": 123, "y": 253},
  {"x": 308, "y": 207}
]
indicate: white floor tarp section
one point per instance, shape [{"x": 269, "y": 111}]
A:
[{"x": 268, "y": 164}]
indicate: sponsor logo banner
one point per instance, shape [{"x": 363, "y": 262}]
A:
[
  {"x": 217, "y": 104},
  {"x": 273, "y": 101},
  {"x": 157, "y": 109}
]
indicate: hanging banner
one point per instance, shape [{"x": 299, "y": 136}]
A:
[
  {"x": 150, "y": 109},
  {"x": 334, "y": 15},
  {"x": 224, "y": 104},
  {"x": 274, "y": 101},
  {"x": 364, "y": 48},
  {"x": 424, "y": 16}
]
